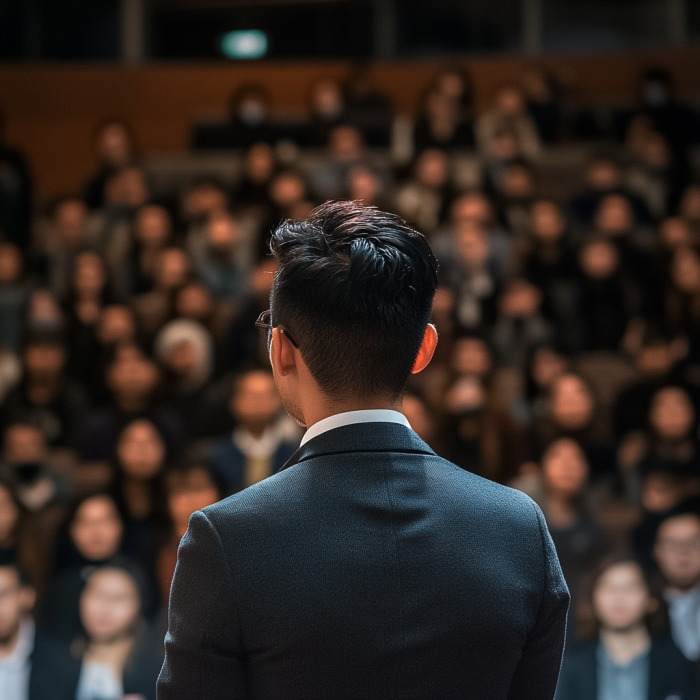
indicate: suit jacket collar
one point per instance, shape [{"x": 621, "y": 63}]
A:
[{"x": 361, "y": 437}]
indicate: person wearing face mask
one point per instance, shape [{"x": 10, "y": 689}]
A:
[
  {"x": 248, "y": 123},
  {"x": 115, "y": 658}
]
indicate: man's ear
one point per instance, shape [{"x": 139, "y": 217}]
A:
[
  {"x": 427, "y": 349},
  {"x": 282, "y": 353}
]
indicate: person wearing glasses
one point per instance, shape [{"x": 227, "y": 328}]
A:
[{"x": 368, "y": 567}]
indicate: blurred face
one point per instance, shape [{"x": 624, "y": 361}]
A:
[
  {"x": 286, "y": 189},
  {"x": 194, "y": 301},
  {"x": 614, "y": 216},
  {"x": 152, "y": 226},
  {"x": 621, "y": 598},
  {"x": 109, "y": 605},
  {"x": 517, "y": 182},
  {"x": 24, "y": 444},
  {"x": 260, "y": 162},
  {"x": 364, "y": 186},
  {"x": 222, "y": 233},
  {"x": 10, "y": 263},
  {"x": 547, "y": 221},
  {"x": 509, "y": 100},
  {"x": 472, "y": 244},
  {"x": 656, "y": 359},
  {"x": 471, "y": 356},
  {"x": 70, "y": 222},
  {"x": 127, "y": 188},
  {"x": 466, "y": 395},
  {"x": 116, "y": 325},
  {"x": 182, "y": 358},
  {"x": 690, "y": 204},
  {"x": 44, "y": 361},
  {"x": 114, "y": 145},
  {"x": 346, "y": 143},
  {"x": 661, "y": 492},
  {"x": 672, "y": 413},
  {"x": 15, "y": 602},
  {"x": 431, "y": 168},
  {"x": 675, "y": 233},
  {"x": 451, "y": 85},
  {"x": 203, "y": 200},
  {"x": 603, "y": 175},
  {"x": 89, "y": 274},
  {"x": 565, "y": 468},
  {"x": 96, "y": 529},
  {"x": 505, "y": 145},
  {"x": 472, "y": 207},
  {"x": 188, "y": 493},
  {"x": 599, "y": 260},
  {"x": 571, "y": 402},
  {"x": 9, "y": 515},
  {"x": 521, "y": 299},
  {"x": 685, "y": 271},
  {"x": 141, "y": 450},
  {"x": 133, "y": 377},
  {"x": 172, "y": 268},
  {"x": 327, "y": 99},
  {"x": 256, "y": 402},
  {"x": 677, "y": 551},
  {"x": 547, "y": 366}
]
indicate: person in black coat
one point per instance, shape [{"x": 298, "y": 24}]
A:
[
  {"x": 117, "y": 656},
  {"x": 368, "y": 567},
  {"x": 624, "y": 659}
]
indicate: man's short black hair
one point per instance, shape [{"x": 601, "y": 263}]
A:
[{"x": 355, "y": 289}]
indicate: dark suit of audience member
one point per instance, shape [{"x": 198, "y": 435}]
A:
[{"x": 671, "y": 675}]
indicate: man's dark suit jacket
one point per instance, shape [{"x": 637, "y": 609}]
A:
[
  {"x": 671, "y": 675},
  {"x": 367, "y": 568}
]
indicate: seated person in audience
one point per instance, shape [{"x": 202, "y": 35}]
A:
[
  {"x": 578, "y": 538},
  {"x": 366, "y": 185},
  {"x": 543, "y": 99},
  {"x": 682, "y": 299},
  {"x": 520, "y": 325},
  {"x": 603, "y": 177},
  {"x": 468, "y": 271},
  {"x": 368, "y": 108},
  {"x": 689, "y": 209},
  {"x": 116, "y": 656},
  {"x": 263, "y": 439},
  {"x": 545, "y": 364},
  {"x": 138, "y": 490},
  {"x": 572, "y": 412},
  {"x": 172, "y": 271},
  {"x": 16, "y": 629},
  {"x": 88, "y": 295},
  {"x": 345, "y": 149},
  {"x": 218, "y": 256},
  {"x": 187, "y": 489},
  {"x": 424, "y": 200},
  {"x": 134, "y": 268},
  {"x": 115, "y": 148},
  {"x": 185, "y": 350},
  {"x": 624, "y": 658},
  {"x": 133, "y": 380},
  {"x": 656, "y": 359},
  {"x": 252, "y": 193},
  {"x": 602, "y": 310},
  {"x": 516, "y": 196},
  {"x": 508, "y": 113},
  {"x": 443, "y": 122},
  {"x": 67, "y": 233},
  {"x": 327, "y": 109},
  {"x": 677, "y": 553},
  {"x": 46, "y": 397},
  {"x": 92, "y": 536},
  {"x": 26, "y": 467}
]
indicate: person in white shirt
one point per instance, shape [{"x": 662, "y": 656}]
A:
[
  {"x": 16, "y": 631},
  {"x": 677, "y": 552}
]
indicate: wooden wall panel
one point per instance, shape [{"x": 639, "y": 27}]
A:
[{"x": 52, "y": 110}]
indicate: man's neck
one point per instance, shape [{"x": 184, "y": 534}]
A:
[
  {"x": 624, "y": 645},
  {"x": 332, "y": 408}
]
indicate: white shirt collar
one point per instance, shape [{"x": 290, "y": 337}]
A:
[{"x": 382, "y": 415}]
